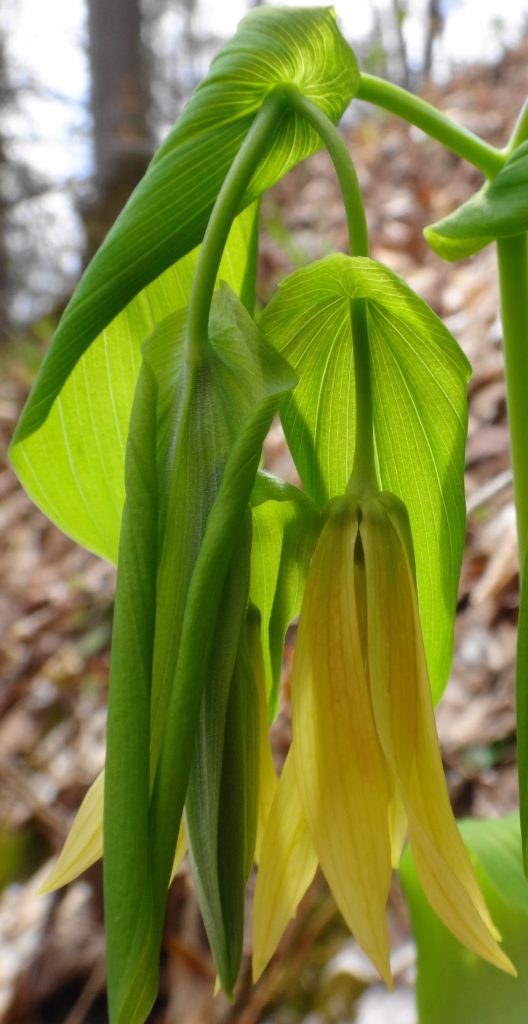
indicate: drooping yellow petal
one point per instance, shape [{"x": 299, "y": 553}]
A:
[
  {"x": 406, "y": 727},
  {"x": 84, "y": 843},
  {"x": 267, "y": 776},
  {"x": 286, "y": 868},
  {"x": 340, "y": 769}
]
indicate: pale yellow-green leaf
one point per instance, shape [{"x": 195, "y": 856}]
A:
[{"x": 84, "y": 843}]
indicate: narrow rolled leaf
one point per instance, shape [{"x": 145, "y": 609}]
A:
[
  {"x": 419, "y": 378},
  {"x": 522, "y": 710},
  {"x": 213, "y": 821},
  {"x": 285, "y": 525},
  {"x": 466, "y": 988},
  {"x": 127, "y": 873},
  {"x": 238, "y": 805},
  {"x": 73, "y": 465},
  {"x": 267, "y": 778},
  {"x": 167, "y": 214},
  {"x": 287, "y": 865},
  {"x": 211, "y": 422},
  {"x": 498, "y": 210}
]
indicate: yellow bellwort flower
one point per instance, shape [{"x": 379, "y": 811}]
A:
[{"x": 365, "y": 752}]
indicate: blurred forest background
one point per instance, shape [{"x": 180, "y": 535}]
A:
[{"x": 87, "y": 89}]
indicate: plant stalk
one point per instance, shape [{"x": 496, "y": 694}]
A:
[
  {"x": 224, "y": 212},
  {"x": 513, "y": 280},
  {"x": 433, "y": 122},
  {"x": 364, "y": 478}
]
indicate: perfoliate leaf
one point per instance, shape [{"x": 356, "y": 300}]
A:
[
  {"x": 285, "y": 525},
  {"x": 498, "y": 210},
  {"x": 453, "y": 984},
  {"x": 73, "y": 465},
  {"x": 167, "y": 214},
  {"x": 419, "y": 378},
  {"x": 211, "y": 420}
]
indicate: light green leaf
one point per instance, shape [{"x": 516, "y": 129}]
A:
[
  {"x": 167, "y": 214},
  {"x": 453, "y": 984},
  {"x": 285, "y": 526},
  {"x": 498, "y": 210},
  {"x": 211, "y": 422},
  {"x": 419, "y": 377},
  {"x": 522, "y": 710},
  {"x": 73, "y": 465}
]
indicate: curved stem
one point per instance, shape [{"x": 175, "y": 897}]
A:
[
  {"x": 225, "y": 210},
  {"x": 346, "y": 172},
  {"x": 416, "y": 111},
  {"x": 364, "y": 479}
]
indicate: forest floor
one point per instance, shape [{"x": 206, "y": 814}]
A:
[{"x": 56, "y": 609}]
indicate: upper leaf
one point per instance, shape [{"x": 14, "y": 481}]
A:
[
  {"x": 466, "y": 988},
  {"x": 498, "y": 210},
  {"x": 73, "y": 465},
  {"x": 419, "y": 377},
  {"x": 167, "y": 214}
]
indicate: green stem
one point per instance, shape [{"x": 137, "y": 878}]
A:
[
  {"x": 513, "y": 279},
  {"x": 520, "y": 131},
  {"x": 225, "y": 210},
  {"x": 364, "y": 479},
  {"x": 416, "y": 111},
  {"x": 358, "y": 239}
]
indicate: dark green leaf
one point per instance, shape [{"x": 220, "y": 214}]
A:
[
  {"x": 498, "y": 210},
  {"x": 126, "y": 818},
  {"x": 453, "y": 984},
  {"x": 210, "y": 804},
  {"x": 419, "y": 377}
]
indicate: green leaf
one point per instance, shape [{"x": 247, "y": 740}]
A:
[
  {"x": 167, "y": 214},
  {"x": 127, "y": 786},
  {"x": 453, "y": 984},
  {"x": 73, "y": 465},
  {"x": 522, "y": 710},
  {"x": 498, "y": 210},
  {"x": 211, "y": 422},
  {"x": 419, "y": 377},
  {"x": 285, "y": 526},
  {"x": 210, "y": 804}
]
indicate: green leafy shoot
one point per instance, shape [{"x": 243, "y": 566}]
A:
[{"x": 498, "y": 210}]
